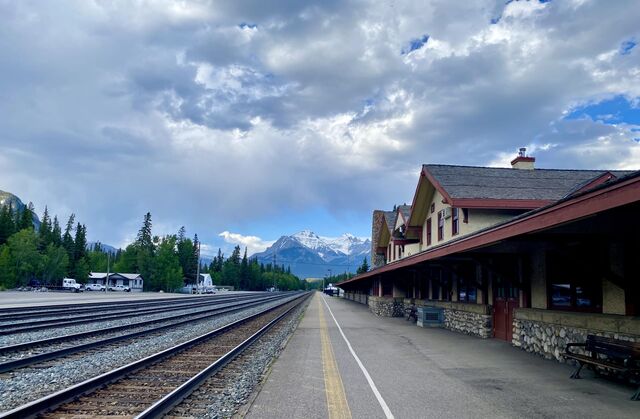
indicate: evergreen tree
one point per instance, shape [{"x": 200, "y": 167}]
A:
[
  {"x": 67, "y": 238},
  {"x": 145, "y": 249},
  {"x": 80, "y": 243},
  {"x": 7, "y": 268},
  {"x": 244, "y": 272},
  {"x": 44, "y": 233},
  {"x": 363, "y": 268},
  {"x": 25, "y": 218},
  {"x": 56, "y": 232},
  {"x": 7, "y": 223},
  {"x": 144, "y": 239}
]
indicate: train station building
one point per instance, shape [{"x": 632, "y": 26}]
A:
[{"x": 536, "y": 257}]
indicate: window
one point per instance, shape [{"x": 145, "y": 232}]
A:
[
  {"x": 440, "y": 225},
  {"x": 455, "y": 226},
  {"x": 574, "y": 283},
  {"x": 429, "y": 231},
  {"x": 433, "y": 207},
  {"x": 467, "y": 287},
  {"x": 387, "y": 288},
  {"x": 465, "y": 215}
]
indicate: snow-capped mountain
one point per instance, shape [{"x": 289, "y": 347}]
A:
[{"x": 312, "y": 256}]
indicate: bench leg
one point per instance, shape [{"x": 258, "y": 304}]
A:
[
  {"x": 576, "y": 373},
  {"x": 636, "y": 395}
]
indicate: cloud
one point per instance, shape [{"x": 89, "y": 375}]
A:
[
  {"x": 243, "y": 116},
  {"x": 253, "y": 244}
]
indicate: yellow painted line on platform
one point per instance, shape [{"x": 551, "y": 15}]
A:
[{"x": 334, "y": 389}]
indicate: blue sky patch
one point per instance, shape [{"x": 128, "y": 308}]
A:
[
  {"x": 627, "y": 46},
  {"x": 415, "y": 44},
  {"x": 612, "y": 111}
]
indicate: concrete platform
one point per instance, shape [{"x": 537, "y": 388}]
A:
[
  {"x": 423, "y": 373},
  {"x": 32, "y": 299}
]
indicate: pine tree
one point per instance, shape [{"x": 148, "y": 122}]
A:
[
  {"x": 25, "y": 218},
  {"x": 68, "y": 243},
  {"x": 80, "y": 243},
  {"x": 363, "y": 268},
  {"x": 56, "y": 232},
  {"x": 145, "y": 249},
  {"x": 145, "y": 238},
  {"x": 7, "y": 223},
  {"x": 44, "y": 234}
]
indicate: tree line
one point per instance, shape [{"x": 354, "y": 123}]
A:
[{"x": 49, "y": 253}]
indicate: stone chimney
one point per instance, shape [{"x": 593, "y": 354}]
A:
[{"x": 523, "y": 161}]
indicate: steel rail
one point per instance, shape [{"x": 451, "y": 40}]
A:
[
  {"x": 12, "y": 329},
  {"x": 46, "y": 356},
  {"x": 45, "y": 308},
  {"x": 52, "y": 401},
  {"x": 171, "y": 400},
  {"x": 106, "y": 306}
]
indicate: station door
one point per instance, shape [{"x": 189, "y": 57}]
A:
[{"x": 506, "y": 299}]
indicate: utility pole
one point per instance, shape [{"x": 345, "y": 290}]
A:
[
  {"x": 106, "y": 280},
  {"x": 198, "y": 268},
  {"x": 275, "y": 254}
]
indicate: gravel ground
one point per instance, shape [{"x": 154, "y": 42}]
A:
[
  {"x": 114, "y": 309},
  {"x": 86, "y": 327},
  {"x": 56, "y": 346},
  {"x": 24, "y": 385},
  {"x": 259, "y": 356}
]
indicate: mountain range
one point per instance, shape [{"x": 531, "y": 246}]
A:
[
  {"x": 7, "y": 198},
  {"x": 313, "y": 256}
]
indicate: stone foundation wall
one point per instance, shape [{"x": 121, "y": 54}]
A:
[
  {"x": 467, "y": 318},
  {"x": 548, "y": 333},
  {"x": 468, "y": 323},
  {"x": 386, "y": 306},
  {"x": 357, "y": 297}
]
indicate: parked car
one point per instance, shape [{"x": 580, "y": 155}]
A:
[
  {"x": 94, "y": 287},
  {"x": 120, "y": 288}
]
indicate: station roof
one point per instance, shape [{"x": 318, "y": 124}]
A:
[{"x": 615, "y": 193}]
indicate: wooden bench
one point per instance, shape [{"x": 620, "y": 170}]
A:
[{"x": 613, "y": 354}]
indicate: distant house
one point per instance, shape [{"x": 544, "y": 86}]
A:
[{"x": 133, "y": 281}]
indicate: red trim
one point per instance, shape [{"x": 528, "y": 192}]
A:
[
  {"x": 415, "y": 194},
  {"x": 402, "y": 242},
  {"x": 437, "y": 185},
  {"x": 605, "y": 177},
  {"x": 590, "y": 203},
  {"x": 500, "y": 203},
  {"x": 522, "y": 158}
]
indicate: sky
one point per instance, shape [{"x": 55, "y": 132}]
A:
[{"x": 247, "y": 120}]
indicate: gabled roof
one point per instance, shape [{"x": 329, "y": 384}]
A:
[
  {"x": 405, "y": 211},
  {"x": 390, "y": 220},
  {"x": 469, "y": 182},
  {"x": 616, "y": 193}
]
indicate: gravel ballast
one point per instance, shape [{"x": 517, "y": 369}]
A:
[
  {"x": 256, "y": 362},
  {"x": 24, "y": 385}
]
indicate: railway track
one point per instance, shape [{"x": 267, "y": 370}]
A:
[
  {"x": 31, "y": 353},
  {"x": 17, "y": 313},
  {"x": 153, "y": 385},
  {"x": 30, "y": 326}
]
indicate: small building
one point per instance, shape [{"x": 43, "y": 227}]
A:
[
  {"x": 133, "y": 281},
  {"x": 536, "y": 257}
]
